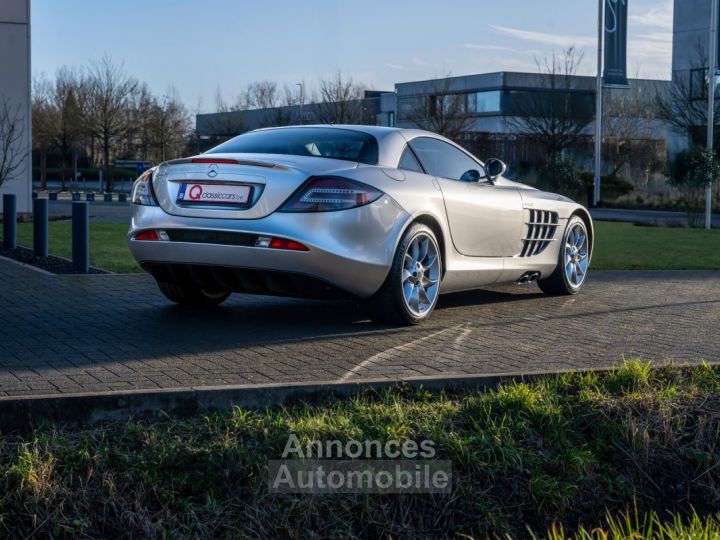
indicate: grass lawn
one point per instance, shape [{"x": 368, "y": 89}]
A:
[
  {"x": 108, "y": 248},
  {"x": 624, "y": 246},
  {"x": 550, "y": 455},
  {"x": 619, "y": 246}
]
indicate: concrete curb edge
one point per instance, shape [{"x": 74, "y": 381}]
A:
[{"x": 20, "y": 413}]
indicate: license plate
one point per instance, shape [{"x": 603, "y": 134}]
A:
[{"x": 220, "y": 194}]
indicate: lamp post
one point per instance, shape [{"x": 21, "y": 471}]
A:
[
  {"x": 712, "y": 75},
  {"x": 598, "y": 106},
  {"x": 302, "y": 100}
]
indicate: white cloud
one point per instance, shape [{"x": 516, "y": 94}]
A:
[
  {"x": 560, "y": 40},
  {"x": 397, "y": 67},
  {"x": 650, "y": 52},
  {"x": 500, "y": 48},
  {"x": 487, "y": 47},
  {"x": 656, "y": 16}
]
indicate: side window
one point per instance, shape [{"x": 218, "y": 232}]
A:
[
  {"x": 409, "y": 162},
  {"x": 442, "y": 159}
]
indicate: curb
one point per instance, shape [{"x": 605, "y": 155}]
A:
[{"x": 21, "y": 413}]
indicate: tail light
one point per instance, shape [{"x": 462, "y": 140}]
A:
[
  {"x": 328, "y": 194},
  {"x": 142, "y": 191},
  {"x": 153, "y": 235}
]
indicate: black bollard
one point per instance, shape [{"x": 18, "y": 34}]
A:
[
  {"x": 80, "y": 237},
  {"x": 40, "y": 227},
  {"x": 9, "y": 222}
]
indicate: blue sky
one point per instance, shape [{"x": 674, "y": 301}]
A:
[{"x": 197, "y": 46}]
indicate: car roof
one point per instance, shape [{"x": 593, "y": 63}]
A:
[
  {"x": 392, "y": 139},
  {"x": 378, "y": 131}
]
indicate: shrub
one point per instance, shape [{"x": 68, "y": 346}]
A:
[
  {"x": 562, "y": 176},
  {"x": 691, "y": 171}
]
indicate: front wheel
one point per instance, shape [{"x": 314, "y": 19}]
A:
[
  {"x": 412, "y": 287},
  {"x": 191, "y": 296},
  {"x": 573, "y": 261}
]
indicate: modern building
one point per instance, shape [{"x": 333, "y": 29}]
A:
[
  {"x": 15, "y": 91},
  {"x": 690, "y": 59},
  {"x": 497, "y": 105},
  {"x": 495, "y": 108}
]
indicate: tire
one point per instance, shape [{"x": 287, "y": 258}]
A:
[
  {"x": 191, "y": 296},
  {"x": 412, "y": 287},
  {"x": 572, "y": 268}
]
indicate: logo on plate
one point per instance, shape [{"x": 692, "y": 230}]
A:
[
  {"x": 212, "y": 171},
  {"x": 195, "y": 192}
]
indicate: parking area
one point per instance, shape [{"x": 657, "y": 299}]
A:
[{"x": 70, "y": 334}]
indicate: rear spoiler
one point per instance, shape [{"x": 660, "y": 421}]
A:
[{"x": 225, "y": 161}]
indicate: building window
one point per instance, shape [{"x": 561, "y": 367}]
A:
[
  {"x": 698, "y": 84},
  {"x": 449, "y": 104},
  {"x": 484, "y": 102},
  {"x": 391, "y": 119}
]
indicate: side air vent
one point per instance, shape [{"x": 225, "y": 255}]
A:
[{"x": 540, "y": 232}]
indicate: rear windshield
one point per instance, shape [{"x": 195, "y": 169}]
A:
[{"x": 332, "y": 143}]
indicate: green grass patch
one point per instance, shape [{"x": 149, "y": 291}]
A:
[
  {"x": 624, "y": 246},
  {"x": 108, "y": 247},
  {"x": 619, "y": 246},
  {"x": 550, "y": 457}
]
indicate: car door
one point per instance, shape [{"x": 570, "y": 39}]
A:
[{"x": 485, "y": 220}]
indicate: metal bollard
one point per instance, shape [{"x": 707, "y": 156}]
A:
[
  {"x": 40, "y": 227},
  {"x": 9, "y": 221},
  {"x": 80, "y": 237}
]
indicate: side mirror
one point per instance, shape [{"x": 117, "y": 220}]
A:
[
  {"x": 470, "y": 176},
  {"x": 494, "y": 168}
]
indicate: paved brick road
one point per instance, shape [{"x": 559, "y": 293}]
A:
[{"x": 65, "y": 334}]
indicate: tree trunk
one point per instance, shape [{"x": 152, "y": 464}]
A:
[
  {"x": 43, "y": 168},
  {"x": 106, "y": 158}
]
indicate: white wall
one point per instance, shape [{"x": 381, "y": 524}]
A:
[{"x": 15, "y": 85}]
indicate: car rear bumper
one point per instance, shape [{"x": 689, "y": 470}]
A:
[{"x": 349, "y": 250}]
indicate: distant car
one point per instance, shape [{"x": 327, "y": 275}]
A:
[{"x": 392, "y": 217}]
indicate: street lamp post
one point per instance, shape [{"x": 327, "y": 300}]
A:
[
  {"x": 302, "y": 100},
  {"x": 598, "y": 106},
  {"x": 712, "y": 75}
]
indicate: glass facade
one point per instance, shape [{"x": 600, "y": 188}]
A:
[
  {"x": 698, "y": 83},
  {"x": 484, "y": 102}
]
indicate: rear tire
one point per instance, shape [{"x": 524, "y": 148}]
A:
[
  {"x": 412, "y": 287},
  {"x": 191, "y": 296},
  {"x": 573, "y": 261}
]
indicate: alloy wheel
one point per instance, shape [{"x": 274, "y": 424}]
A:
[
  {"x": 421, "y": 275},
  {"x": 576, "y": 255}
]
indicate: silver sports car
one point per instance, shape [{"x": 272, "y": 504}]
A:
[{"x": 392, "y": 217}]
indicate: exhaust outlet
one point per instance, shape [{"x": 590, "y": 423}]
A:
[{"x": 528, "y": 278}]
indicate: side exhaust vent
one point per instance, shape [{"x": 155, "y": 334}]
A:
[{"x": 540, "y": 232}]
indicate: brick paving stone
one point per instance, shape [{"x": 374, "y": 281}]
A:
[{"x": 66, "y": 334}]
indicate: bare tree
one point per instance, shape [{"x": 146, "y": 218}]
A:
[
  {"x": 12, "y": 140},
  {"x": 441, "y": 111},
  {"x": 43, "y": 114},
  {"x": 169, "y": 125},
  {"x": 340, "y": 100},
  {"x": 66, "y": 127},
  {"x": 258, "y": 95},
  {"x": 628, "y": 130},
  {"x": 547, "y": 115},
  {"x": 108, "y": 91},
  {"x": 683, "y": 106}
]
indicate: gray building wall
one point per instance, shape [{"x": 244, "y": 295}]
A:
[{"x": 15, "y": 86}]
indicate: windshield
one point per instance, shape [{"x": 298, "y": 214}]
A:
[{"x": 306, "y": 141}]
